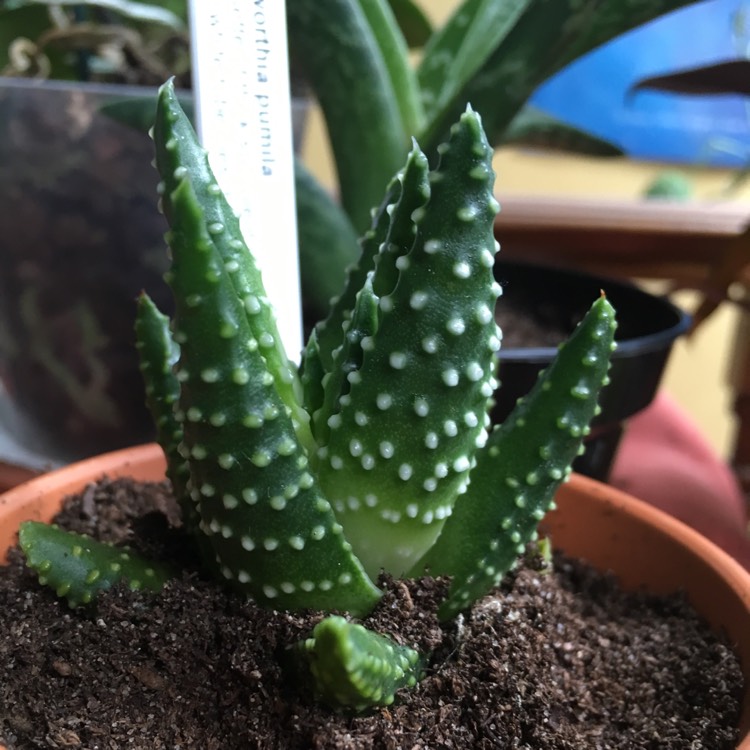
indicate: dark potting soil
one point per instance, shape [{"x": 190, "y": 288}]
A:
[
  {"x": 558, "y": 659},
  {"x": 529, "y": 323}
]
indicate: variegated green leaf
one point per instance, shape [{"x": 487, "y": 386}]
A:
[
  {"x": 402, "y": 444},
  {"x": 356, "y": 60},
  {"x": 457, "y": 51},
  {"x": 536, "y": 129},
  {"x": 544, "y": 37},
  {"x": 521, "y": 466},
  {"x": 273, "y": 532}
]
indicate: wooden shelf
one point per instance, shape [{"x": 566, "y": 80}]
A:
[{"x": 632, "y": 239}]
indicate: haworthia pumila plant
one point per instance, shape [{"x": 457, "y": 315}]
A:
[{"x": 380, "y": 456}]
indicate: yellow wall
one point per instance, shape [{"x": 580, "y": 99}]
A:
[{"x": 697, "y": 375}]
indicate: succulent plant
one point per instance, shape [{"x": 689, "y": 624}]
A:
[{"x": 298, "y": 489}]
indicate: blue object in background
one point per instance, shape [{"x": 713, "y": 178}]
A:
[{"x": 592, "y": 93}]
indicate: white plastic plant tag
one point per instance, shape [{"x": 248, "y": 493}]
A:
[{"x": 243, "y": 118}]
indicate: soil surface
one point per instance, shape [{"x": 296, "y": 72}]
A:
[
  {"x": 529, "y": 325},
  {"x": 557, "y": 659}
]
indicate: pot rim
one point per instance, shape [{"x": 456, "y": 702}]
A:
[
  {"x": 118, "y": 463},
  {"x": 633, "y": 346}
]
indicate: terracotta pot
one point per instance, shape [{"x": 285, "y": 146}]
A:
[{"x": 594, "y": 521}]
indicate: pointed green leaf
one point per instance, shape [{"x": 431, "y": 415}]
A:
[
  {"x": 312, "y": 373},
  {"x": 391, "y": 238},
  {"x": 158, "y": 354},
  {"x": 273, "y": 533},
  {"x": 330, "y": 331},
  {"x": 521, "y": 466},
  {"x": 178, "y": 154},
  {"x": 402, "y": 444},
  {"x": 355, "y": 668},
  {"x": 414, "y": 179},
  {"x": 347, "y": 359},
  {"x": 78, "y": 568}
]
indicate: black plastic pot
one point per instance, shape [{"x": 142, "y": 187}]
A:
[{"x": 647, "y": 328}]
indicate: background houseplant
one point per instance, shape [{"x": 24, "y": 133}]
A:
[
  {"x": 492, "y": 54},
  {"x": 135, "y": 43}
]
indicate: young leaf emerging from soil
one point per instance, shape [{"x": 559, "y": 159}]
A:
[{"x": 300, "y": 490}]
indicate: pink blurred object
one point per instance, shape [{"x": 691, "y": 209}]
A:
[{"x": 665, "y": 460}]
